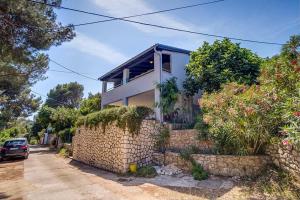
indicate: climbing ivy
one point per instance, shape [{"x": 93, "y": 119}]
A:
[{"x": 130, "y": 117}]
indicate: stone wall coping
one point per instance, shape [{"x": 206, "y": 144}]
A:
[
  {"x": 220, "y": 155},
  {"x": 183, "y": 130}
]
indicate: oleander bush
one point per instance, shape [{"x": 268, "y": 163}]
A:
[
  {"x": 130, "y": 117},
  {"x": 242, "y": 119}
]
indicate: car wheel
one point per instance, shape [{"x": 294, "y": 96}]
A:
[{"x": 26, "y": 157}]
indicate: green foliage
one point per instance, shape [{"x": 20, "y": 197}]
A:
[
  {"x": 168, "y": 96},
  {"x": 201, "y": 127},
  {"x": 211, "y": 66},
  {"x": 64, "y": 152},
  {"x": 67, "y": 95},
  {"x": 129, "y": 117},
  {"x": 146, "y": 171},
  {"x": 26, "y": 30},
  {"x": 91, "y": 104},
  {"x": 63, "y": 118},
  {"x": 198, "y": 172},
  {"x": 11, "y": 133},
  {"x": 186, "y": 154},
  {"x": 242, "y": 119},
  {"x": 163, "y": 139},
  {"x": 33, "y": 141},
  {"x": 66, "y": 134},
  {"x": 60, "y": 120}
]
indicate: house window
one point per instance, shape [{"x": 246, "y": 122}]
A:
[{"x": 166, "y": 62}]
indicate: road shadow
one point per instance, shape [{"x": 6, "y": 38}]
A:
[
  {"x": 206, "y": 188},
  {"x": 11, "y": 160},
  {"x": 4, "y": 196}
]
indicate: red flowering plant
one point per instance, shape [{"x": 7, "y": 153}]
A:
[
  {"x": 242, "y": 119},
  {"x": 240, "y": 122}
]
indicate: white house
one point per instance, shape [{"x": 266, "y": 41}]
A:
[{"x": 134, "y": 82}]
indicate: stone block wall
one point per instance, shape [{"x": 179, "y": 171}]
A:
[
  {"x": 286, "y": 157},
  {"x": 115, "y": 149},
  {"x": 224, "y": 165},
  {"x": 181, "y": 139}
]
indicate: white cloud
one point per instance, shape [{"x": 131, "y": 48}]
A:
[
  {"x": 121, "y": 8},
  {"x": 93, "y": 47}
]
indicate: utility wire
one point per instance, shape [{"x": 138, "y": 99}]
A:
[
  {"x": 62, "y": 103},
  {"x": 60, "y": 71},
  {"x": 150, "y": 13},
  {"x": 75, "y": 72},
  {"x": 159, "y": 26}
]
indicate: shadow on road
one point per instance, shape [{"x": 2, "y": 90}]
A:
[
  {"x": 10, "y": 160},
  {"x": 126, "y": 180},
  {"x": 4, "y": 196}
]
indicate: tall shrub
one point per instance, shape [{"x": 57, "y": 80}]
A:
[
  {"x": 242, "y": 119},
  {"x": 168, "y": 97}
]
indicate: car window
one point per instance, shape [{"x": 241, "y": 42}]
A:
[{"x": 14, "y": 143}]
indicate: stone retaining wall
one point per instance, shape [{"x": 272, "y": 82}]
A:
[
  {"x": 224, "y": 165},
  {"x": 115, "y": 149},
  {"x": 181, "y": 139},
  {"x": 285, "y": 157}
]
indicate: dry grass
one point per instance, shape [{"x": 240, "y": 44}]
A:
[{"x": 274, "y": 183}]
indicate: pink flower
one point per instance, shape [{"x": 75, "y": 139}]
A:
[
  {"x": 297, "y": 114},
  {"x": 285, "y": 142},
  {"x": 294, "y": 62}
]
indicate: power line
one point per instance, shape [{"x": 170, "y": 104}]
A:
[
  {"x": 159, "y": 26},
  {"x": 62, "y": 103},
  {"x": 150, "y": 13},
  {"x": 60, "y": 71},
  {"x": 53, "y": 70},
  {"x": 60, "y": 65}
]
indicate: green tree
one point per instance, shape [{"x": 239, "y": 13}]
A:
[
  {"x": 168, "y": 97},
  {"x": 18, "y": 128},
  {"x": 42, "y": 119},
  {"x": 63, "y": 118},
  {"x": 90, "y": 104},
  {"x": 63, "y": 122},
  {"x": 26, "y": 29},
  {"x": 211, "y": 66},
  {"x": 68, "y": 95},
  {"x": 242, "y": 119}
]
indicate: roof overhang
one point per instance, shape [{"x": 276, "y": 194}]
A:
[{"x": 140, "y": 58}]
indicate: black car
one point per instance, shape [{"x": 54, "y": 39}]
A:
[{"x": 15, "y": 148}]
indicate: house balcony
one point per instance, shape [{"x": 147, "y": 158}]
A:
[{"x": 137, "y": 91}]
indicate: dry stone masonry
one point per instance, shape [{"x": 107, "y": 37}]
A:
[
  {"x": 114, "y": 149},
  {"x": 223, "y": 165},
  {"x": 286, "y": 157},
  {"x": 182, "y": 139}
]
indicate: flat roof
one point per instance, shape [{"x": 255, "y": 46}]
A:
[{"x": 150, "y": 50}]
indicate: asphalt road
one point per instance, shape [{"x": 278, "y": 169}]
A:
[{"x": 44, "y": 175}]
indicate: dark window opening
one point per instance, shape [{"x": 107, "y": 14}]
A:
[{"x": 166, "y": 62}]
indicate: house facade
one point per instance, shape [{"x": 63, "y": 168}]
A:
[{"x": 134, "y": 82}]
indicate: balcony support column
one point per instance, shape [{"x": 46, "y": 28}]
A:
[
  {"x": 104, "y": 90},
  {"x": 125, "y": 76},
  {"x": 104, "y": 87},
  {"x": 125, "y": 101},
  {"x": 157, "y": 76}
]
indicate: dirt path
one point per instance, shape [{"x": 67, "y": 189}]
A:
[{"x": 46, "y": 176}]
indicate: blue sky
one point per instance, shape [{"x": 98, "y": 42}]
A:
[{"x": 101, "y": 47}]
